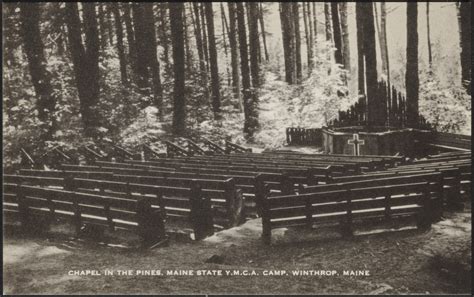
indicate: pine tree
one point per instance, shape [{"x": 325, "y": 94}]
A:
[
  {"x": 411, "y": 76},
  {"x": 215, "y": 84},
  {"x": 40, "y": 76},
  {"x": 85, "y": 58},
  {"x": 177, "y": 39}
]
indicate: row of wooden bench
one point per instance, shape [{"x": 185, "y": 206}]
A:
[{"x": 420, "y": 190}]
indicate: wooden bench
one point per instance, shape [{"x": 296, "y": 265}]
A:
[
  {"x": 354, "y": 205},
  {"x": 450, "y": 179},
  {"x": 337, "y": 167},
  {"x": 27, "y": 203},
  {"x": 226, "y": 197},
  {"x": 246, "y": 181},
  {"x": 185, "y": 207}
]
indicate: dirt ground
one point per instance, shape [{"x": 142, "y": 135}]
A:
[{"x": 399, "y": 262}]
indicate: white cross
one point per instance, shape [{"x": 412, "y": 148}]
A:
[{"x": 356, "y": 142}]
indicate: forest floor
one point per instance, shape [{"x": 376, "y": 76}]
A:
[{"x": 408, "y": 261}]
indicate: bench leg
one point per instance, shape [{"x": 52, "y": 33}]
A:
[{"x": 267, "y": 235}]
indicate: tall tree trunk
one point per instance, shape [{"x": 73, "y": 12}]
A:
[
  {"x": 188, "y": 53},
  {"x": 132, "y": 46},
  {"x": 360, "y": 50},
  {"x": 102, "y": 26},
  {"x": 215, "y": 85},
  {"x": 307, "y": 37},
  {"x": 205, "y": 38},
  {"x": 346, "y": 53},
  {"x": 40, "y": 76},
  {"x": 114, "y": 7},
  {"x": 262, "y": 27},
  {"x": 374, "y": 112},
  {"x": 383, "y": 31},
  {"x": 336, "y": 30},
  {"x": 315, "y": 26},
  {"x": 377, "y": 25},
  {"x": 465, "y": 37},
  {"x": 234, "y": 54},
  {"x": 141, "y": 43},
  {"x": 288, "y": 42},
  {"x": 327, "y": 15},
  {"x": 164, "y": 36},
  {"x": 108, "y": 24},
  {"x": 296, "y": 25},
  {"x": 86, "y": 62},
  {"x": 250, "y": 114},
  {"x": 225, "y": 36},
  {"x": 177, "y": 39},
  {"x": 311, "y": 41},
  {"x": 198, "y": 37},
  {"x": 254, "y": 42},
  {"x": 411, "y": 77},
  {"x": 200, "y": 45},
  {"x": 428, "y": 35},
  {"x": 152, "y": 61}
]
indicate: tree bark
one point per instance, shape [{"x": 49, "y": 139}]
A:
[
  {"x": 307, "y": 37},
  {"x": 204, "y": 36},
  {"x": 114, "y": 7},
  {"x": 465, "y": 37},
  {"x": 411, "y": 77},
  {"x": 200, "y": 46},
  {"x": 311, "y": 43},
  {"x": 315, "y": 26},
  {"x": 40, "y": 76},
  {"x": 383, "y": 30},
  {"x": 262, "y": 27},
  {"x": 254, "y": 43},
  {"x": 177, "y": 39},
  {"x": 132, "y": 47},
  {"x": 188, "y": 53},
  {"x": 152, "y": 61},
  {"x": 428, "y": 35},
  {"x": 225, "y": 36},
  {"x": 336, "y": 29},
  {"x": 346, "y": 53},
  {"x": 327, "y": 15},
  {"x": 164, "y": 36},
  {"x": 234, "y": 54},
  {"x": 85, "y": 62},
  {"x": 141, "y": 43},
  {"x": 374, "y": 109},
  {"x": 360, "y": 49},
  {"x": 102, "y": 26},
  {"x": 288, "y": 42},
  {"x": 296, "y": 25},
  {"x": 215, "y": 84},
  {"x": 250, "y": 114}
]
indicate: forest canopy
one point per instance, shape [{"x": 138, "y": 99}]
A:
[{"x": 134, "y": 73}]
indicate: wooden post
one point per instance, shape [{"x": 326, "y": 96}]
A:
[
  {"x": 347, "y": 224},
  {"x": 425, "y": 215},
  {"x": 266, "y": 222},
  {"x": 161, "y": 203},
  {"x": 70, "y": 186},
  {"x": 233, "y": 203},
  {"x": 259, "y": 187},
  {"x": 387, "y": 207},
  {"x": 23, "y": 208},
  {"x": 197, "y": 214},
  {"x": 110, "y": 221},
  {"x": 309, "y": 212}
]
